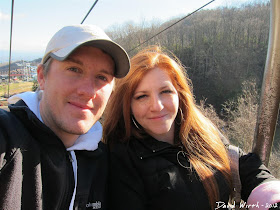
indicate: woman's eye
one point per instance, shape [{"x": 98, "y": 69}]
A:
[
  {"x": 103, "y": 78},
  {"x": 167, "y": 91},
  {"x": 140, "y": 97}
]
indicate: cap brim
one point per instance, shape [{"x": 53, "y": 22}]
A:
[{"x": 118, "y": 54}]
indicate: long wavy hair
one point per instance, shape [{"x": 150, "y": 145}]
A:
[{"x": 198, "y": 135}]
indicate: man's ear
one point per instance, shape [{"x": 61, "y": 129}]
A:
[{"x": 41, "y": 76}]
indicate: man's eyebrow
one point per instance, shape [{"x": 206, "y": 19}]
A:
[
  {"x": 75, "y": 61},
  {"x": 81, "y": 63},
  {"x": 107, "y": 72}
]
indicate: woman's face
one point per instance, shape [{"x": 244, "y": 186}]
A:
[{"x": 155, "y": 105}]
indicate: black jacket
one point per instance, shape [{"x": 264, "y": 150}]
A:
[
  {"x": 145, "y": 175},
  {"x": 36, "y": 170}
]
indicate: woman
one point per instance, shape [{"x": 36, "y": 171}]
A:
[{"x": 164, "y": 153}]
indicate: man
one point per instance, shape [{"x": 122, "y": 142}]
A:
[{"x": 51, "y": 156}]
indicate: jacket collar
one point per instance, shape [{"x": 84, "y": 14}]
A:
[
  {"x": 148, "y": 146},
  {"x": 39, "y": 130}
]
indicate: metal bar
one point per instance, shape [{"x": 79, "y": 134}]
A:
[
  {"x": 11, "y": 33},
  {"x": 270, "y": 95},
  {"x": 170, "y": 26},
  {"x": 89, "y": 11}
]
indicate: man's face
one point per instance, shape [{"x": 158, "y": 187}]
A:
[{"x": 76, "y": 92}]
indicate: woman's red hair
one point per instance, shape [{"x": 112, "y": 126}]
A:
[{"x": 199, "y": 136}]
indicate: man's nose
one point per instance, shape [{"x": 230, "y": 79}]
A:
[{"x": 88, "y": 88}]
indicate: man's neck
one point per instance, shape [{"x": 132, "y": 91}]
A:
[{"x": 68, "y": 139}]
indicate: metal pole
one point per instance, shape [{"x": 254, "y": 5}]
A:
[
  {"x": 270, "y": 95},
  {"x": 89, "y": 11},
  {"x": 12, "y": 14},
  {"x": 170, "y": 26}
]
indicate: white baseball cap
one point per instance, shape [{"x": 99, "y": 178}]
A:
[{"x": 69, "y": 38}]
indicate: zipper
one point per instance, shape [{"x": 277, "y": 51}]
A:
[
  {"x": 70, "y": 157},
  {"x": 69, "y": 182}
]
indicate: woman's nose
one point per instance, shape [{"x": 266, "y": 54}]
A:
[{"x": 156, "y": 103}]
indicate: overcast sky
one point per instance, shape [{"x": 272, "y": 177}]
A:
[{"x": 35, "y": 21}]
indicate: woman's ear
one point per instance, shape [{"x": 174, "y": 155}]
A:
[{"x": 41, "y": 76}]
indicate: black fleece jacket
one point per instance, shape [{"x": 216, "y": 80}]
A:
[
  {"x": 36, "y": 170},
  {"x": 146, "y": 174}
]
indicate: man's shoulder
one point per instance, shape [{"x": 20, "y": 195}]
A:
[
  {"x": 16, "y": 118},
  {"x": 13, "y": 137},
  {"x": 6, "y": 117},
  {"x": 13, "y": 133}
]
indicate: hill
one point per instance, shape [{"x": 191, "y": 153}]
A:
[
  {"x": 220, "y": 48},
  {"x": 14, "y": 65}
]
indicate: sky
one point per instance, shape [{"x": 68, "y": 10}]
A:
[{"x": 35, "y": 21}]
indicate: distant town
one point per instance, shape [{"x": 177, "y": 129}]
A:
[
  {"x": 19, "y": 71},
  {"x": 23, "y": 75}
]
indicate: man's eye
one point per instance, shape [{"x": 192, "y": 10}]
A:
[{"x": 74, "y": 69}]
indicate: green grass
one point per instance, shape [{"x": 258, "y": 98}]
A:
[{"x": 15, "y": 88}]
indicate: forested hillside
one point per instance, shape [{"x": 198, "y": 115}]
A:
[
  {"x": 224, "y": 51},
  {"x": 220, "y": 48}
]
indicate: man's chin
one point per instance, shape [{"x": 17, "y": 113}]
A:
[{"x": 82, "y": 128}]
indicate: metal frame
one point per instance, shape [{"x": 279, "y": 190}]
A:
[{"x": 270, "y": 95}]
